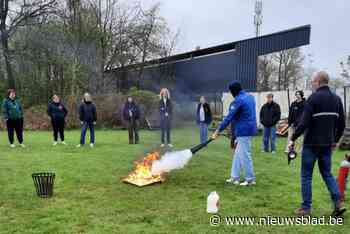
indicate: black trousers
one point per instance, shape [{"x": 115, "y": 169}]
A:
[
  {"x": 12, "y": 126},
  {"x": 133, "y": 132},
  {"x": 58, "y": 128},
  {"x": 165, "y": 125}
]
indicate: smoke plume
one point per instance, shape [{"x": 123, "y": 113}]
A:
[{"x": 171, "y": 161}]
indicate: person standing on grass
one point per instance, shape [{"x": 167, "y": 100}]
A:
[
  {"x": 88, "y": 118},
  {"x": 204, "y": 118},
  {"x": 270, "y": 114},
  {"x": 166, "y": 112},
  {"x": 131, "y": 115},
  {"x": 295, "y": 112},
  {"x": 242, "y": 117},
  {"x": 57, "y": 112},
  {"x": 323, "y": 122},
  {"x": 13, "y": 116}
]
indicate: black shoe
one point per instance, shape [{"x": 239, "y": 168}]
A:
[{"x": 338, "y": 212}]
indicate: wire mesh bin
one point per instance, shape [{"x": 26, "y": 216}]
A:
[{"x": 44, "y": 182}]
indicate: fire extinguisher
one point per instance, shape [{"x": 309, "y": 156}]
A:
[{"x": 343, "y": 176}]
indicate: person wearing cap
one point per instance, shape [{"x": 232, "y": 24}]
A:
[
  {"x": 270, "y": 114},
  {"x": 323, "y": 122},
  {"x": 131, "y": 114},
  {"x": 295, "y": 111},
  {"x": 242, "y": 117}
]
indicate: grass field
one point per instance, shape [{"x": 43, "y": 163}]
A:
[{"x": 90, "y": 197}]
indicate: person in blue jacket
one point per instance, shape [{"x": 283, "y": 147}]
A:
[{"x": 242, "y": 115}]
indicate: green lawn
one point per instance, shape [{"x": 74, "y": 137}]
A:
[{"x": 90, "y": 197}]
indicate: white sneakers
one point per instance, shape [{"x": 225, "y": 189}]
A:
[
  {"x": 170, "y": 145},
  {"x": 232, "y": 181},
  {"x": 246, "y": 183},
  {"x": 63, "y": 143},
  {"x": 54, "y": 143},
  {"x": 162, "y": 145},
  {"x": 91, "y": 145},
  {"x": 236, "y": 182},
  {"x": 21, "y": 145}
]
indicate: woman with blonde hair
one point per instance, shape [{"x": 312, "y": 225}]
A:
[
  {"x": 88, "y": 118},
  {"x": 166, "y": 111}
]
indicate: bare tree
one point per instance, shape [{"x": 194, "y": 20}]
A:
[{"x": 14, "y": 14}]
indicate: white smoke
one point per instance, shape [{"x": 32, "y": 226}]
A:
[{"x": 171, "y": 161}]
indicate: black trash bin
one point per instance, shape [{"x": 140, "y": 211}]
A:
[{"x": 44, "y": 182}]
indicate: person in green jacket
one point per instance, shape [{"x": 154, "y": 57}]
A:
[{"x": 13, "y": 116}]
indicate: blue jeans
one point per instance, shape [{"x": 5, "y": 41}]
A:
[
  {"x": 324, "y": 157},
  {"x": 84, "y": 128},
  {"x": 203, "y": 132},
  {"x": 242, "y": 160},
  {"x": 269, "y": 138}
]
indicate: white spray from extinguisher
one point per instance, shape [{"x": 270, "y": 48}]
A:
[{"x": 213, "y": 203}]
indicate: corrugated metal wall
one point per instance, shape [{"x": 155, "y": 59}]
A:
[{"x": 212, "y": 73}]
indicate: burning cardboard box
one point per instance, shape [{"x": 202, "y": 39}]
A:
[
  {"x": 153, "y": 168},
  {"x": 142, "y": 174}
]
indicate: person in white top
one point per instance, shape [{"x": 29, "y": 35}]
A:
[{"x": 204, "y": 118}]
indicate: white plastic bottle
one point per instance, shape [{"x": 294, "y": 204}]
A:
[{"x": 213, "y": 203}]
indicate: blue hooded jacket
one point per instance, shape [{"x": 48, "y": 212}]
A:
[{"x": 242, "y": 115}]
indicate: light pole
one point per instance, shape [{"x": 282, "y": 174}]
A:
[{"x": 258, "y": 17}]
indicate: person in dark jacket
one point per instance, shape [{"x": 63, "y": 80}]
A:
[
  {"x": 295, "y": 111},
  {"x": 204, "y": 118},
  {"x": 270, "y": 114},
  {"x": 323, "y": 122},
  {"x": 88, "y": 118},
  {"x": 131, "y": 115},
  {"x": 13, "y": 116},
  {"x": 166, "y": 112},
  {"x": 57, "y": 112},
  {"x": 242, "y": 117}
]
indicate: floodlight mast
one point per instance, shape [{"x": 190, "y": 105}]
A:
[{"x": 258, "y": 17}]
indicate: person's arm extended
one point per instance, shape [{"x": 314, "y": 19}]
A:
[
  {"x": 340, "y": 122},
  {"x": 232, "y": 112},
  {"x": 305, "y": 121}
]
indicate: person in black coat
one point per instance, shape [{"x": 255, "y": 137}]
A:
[
  {"x": 204, "y": 118},
  {"x": 323, "y": 122},
  {"x": 295, "y": 112},
  {"x": 57, "y": 112},
  {"x": 131, "y": 114},
  {"x": 166, "y": 112},
  {"x": 270, "y": 114},
  {"x": 88, "y": 118}
]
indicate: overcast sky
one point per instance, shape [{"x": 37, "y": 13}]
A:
[{"x": 212, "y": 22}]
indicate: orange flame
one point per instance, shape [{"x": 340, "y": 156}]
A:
[{"x": 142, "y": 174}]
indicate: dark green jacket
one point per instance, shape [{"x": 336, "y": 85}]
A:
[{"x": 12, "y": 109}]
